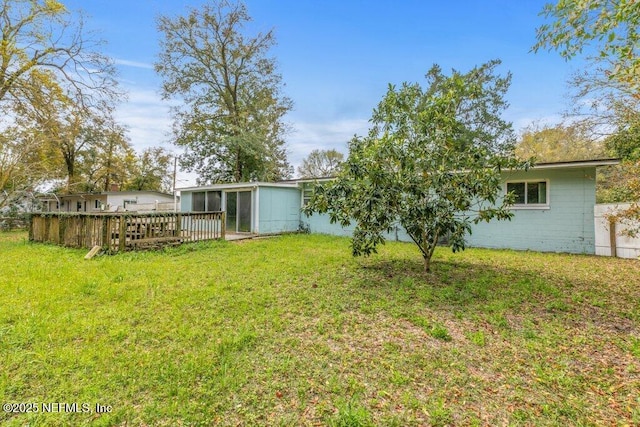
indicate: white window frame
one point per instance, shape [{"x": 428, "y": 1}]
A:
[
  {"x": 307, "y": 193},
  {"x": 206, "y": 200},
  {"x": 128, "y": 202},
  {"x": 532, "y": 206}
]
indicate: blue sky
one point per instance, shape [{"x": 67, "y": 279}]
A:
[{"x": 337, "y": 58}]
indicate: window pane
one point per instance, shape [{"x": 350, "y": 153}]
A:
[
  {"x": 536, "y": 192},
  {"x": 198, "y": 202},
  {"x": 244, "y": 211},
  {"x": 213, "y": 201},
  {"x": 231, "y": 211},
  {"x": 306, "y": 195},
  {"x": 542, "y": 192},
  {"x": 518, "y": 189}
]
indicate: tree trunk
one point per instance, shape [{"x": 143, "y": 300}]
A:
[
  {"x": 71, "y": 173},
  {"x": 429, "y": 252},
  {"x": 237, "y": 173},
  {"x": 427, "y": 264}
]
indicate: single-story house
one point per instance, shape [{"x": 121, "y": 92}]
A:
[
  {"x": 108, "y": 201},
  {"x": 554, "y": 209}
]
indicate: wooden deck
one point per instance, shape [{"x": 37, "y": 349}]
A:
[
  {"x": 239, "y": 236},
  {"x": 126, "y": 231}
]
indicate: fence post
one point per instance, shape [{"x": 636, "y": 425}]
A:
[
  {"x": 104, "y": 224},
  {"x": 122, "y": 235},
  {"x": 612, "y": 237},
  {"x": 30, "y": 223},
  {"x": 178, "y": 228},
  {"x": 112, "y": 234},
  {"x": 223, "y": 214}
]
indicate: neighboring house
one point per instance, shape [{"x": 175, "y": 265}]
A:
[
  {"x": 554, "y": 210},
  {"x": 108, "y": 201}
]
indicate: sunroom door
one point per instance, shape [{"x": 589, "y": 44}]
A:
[
  {"x": 238, "y": 211},
  {"x": 232, "y": 211},
  {"x": 244, "y": 211}
]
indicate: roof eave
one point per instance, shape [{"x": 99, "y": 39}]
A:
[
  {"x": 238, "y": 185},
  {"x": 576, "y": 164}
]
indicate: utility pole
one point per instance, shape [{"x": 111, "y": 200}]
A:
[{"x": 175, "y": 195}]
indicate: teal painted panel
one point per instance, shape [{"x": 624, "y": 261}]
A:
[
  {"x": 321, "y": 224},
  {"x": 279, "y": 210},
  {"x": 185, "y": 201},
  {"x": 567, "y": 226}
]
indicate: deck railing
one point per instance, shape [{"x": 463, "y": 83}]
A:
[{"x": 125, "y": 231}]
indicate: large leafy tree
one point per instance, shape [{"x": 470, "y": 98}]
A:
[
  {"x": 55, "y": 86},
  {"x": 607, "y": 31},
  {"x": 321, "y": 163},
  {"x": 431, "y": 162},
  {"x": 152, "y": 171},
  {"x": 107, "y": 159},
  {"x": 22, "y": 164},
  {"x": 68, "y": 129},
  {"x": 231, "y": 122},
  {"x": 560, "y": 142},
  {"x": 43, "y": 45}
]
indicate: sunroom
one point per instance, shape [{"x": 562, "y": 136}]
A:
[{"x": 251, "y": 208}]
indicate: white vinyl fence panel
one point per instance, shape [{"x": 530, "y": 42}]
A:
[{"x": 609, "y": 241}]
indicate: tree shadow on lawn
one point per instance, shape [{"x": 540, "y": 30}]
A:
[{"x": 512, "y": 289}]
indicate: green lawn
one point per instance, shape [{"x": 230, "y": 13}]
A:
[{"x": 294, "y": 331}]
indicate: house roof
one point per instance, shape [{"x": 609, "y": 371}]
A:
[
  {"x": 241, "y": 185},
  {"x": 101, "y": 193},
  {"x": 319, "y": 179},
  {"x": 293, "y": 183}
]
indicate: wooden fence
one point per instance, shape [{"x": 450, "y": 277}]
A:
[
  {"x": 13, "y": 222},
  {"x": 125, "y": 231}
]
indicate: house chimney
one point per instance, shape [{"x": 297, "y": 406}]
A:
[{"x": 115, "y": 187}]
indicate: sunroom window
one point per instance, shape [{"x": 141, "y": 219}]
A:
[
  {"x": 526, "y": 193},
  {"x": 206, "y": 201}
]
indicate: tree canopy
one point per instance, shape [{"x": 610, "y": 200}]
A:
[
  {"x": 320, "y": 164},
  {"x": 57, "y": 93},
  {"x": 231, "y": 122},
  {"x": 431, "y": 163},
  {"x": 152, "y": 171},
  {"x": 608, "y": 30},
  {"x": 560, "y": 142},
  {"x": 608, "y": 27},
  {"x": 44, "y": 46}
]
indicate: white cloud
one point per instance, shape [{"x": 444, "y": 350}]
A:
[
  {"x": 307, "y": 136},
  {"x": 135, "y": 64},
  {"x": 148, "y": 121},
  {"x": 146, "y": 117},
  {"x": 523, "y": 122}
]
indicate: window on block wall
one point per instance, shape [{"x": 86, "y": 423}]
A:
[
  {"x": 529, "y": 193},
  {"x": 307, "y": 193}
]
